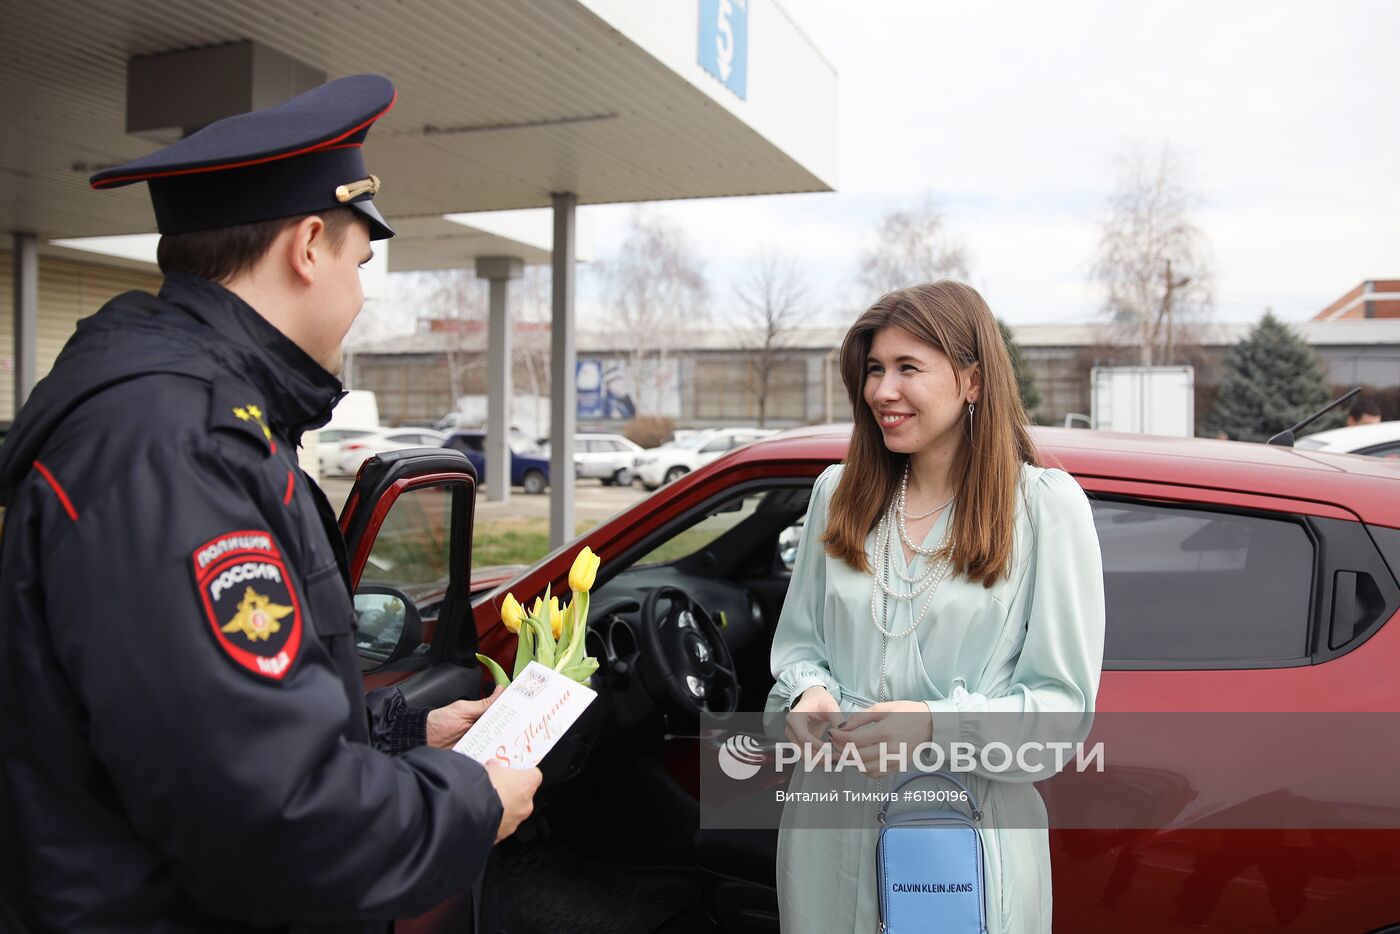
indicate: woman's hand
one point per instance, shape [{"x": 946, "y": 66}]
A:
[
  {"x": 815, "y": 711},
  {"x": 899, "y": 726},
  {"x": 447, "y": 724}
]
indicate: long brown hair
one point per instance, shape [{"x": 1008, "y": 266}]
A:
[{"x": 954, "y": 318}]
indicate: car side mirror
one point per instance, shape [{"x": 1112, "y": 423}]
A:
[{"x": 388, "y": 627}]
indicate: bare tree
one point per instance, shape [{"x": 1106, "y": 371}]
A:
[
  {"x": 654, "y": 289},
  {"x": 770, "y": 302},
  {"x": 1153, "y": 262},
  {"x": 912, "y": 245}
]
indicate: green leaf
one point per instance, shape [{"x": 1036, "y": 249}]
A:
[
  {"x": 490, "y": 665},
  {"x": 544, "y": 643},
  {"x": 524, "y": 648},
  {"x": 582, "y": 671},
  {"x": 575, "y": 647}
]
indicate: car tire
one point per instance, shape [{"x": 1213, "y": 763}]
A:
[
  {"x": 622, "y": 478},
  {"x": 675, "y": 473},
  {"x": 534, "y": 482}
]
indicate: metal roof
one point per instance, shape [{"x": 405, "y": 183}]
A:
[{"x": 500, "y": 102}]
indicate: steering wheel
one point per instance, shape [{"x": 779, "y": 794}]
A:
[{"x": 687, "y": 660}]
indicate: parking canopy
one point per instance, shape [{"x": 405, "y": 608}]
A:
[
  {"x": 500, "y": 102},
  {"x": 501, "y": 105}
]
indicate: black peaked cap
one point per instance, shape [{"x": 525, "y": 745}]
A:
[{"x": 299, "y": 157}]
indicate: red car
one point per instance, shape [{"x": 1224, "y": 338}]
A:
[{"x": 1239, "y": 577}]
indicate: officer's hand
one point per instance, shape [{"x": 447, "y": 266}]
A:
[
  {"x": 447, "y": 724},
  {"x": 516, "y": 788}
]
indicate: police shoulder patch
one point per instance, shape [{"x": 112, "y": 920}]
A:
[
  {"x": 249, "y": 602},
  {"x": 237, "y": 408}
]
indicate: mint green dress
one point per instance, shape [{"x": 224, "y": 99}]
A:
[{"x": 1031, "y": 643}]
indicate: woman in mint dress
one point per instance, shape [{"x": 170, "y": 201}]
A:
[{"x": 945, "y": 578}]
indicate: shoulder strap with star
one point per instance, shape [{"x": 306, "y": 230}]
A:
[{"x": 236, "y": 407}]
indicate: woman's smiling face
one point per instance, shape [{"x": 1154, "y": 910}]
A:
[{"x": 913, "y": 391}]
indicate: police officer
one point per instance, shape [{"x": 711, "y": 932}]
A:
[{"x": 184, "y": 740}]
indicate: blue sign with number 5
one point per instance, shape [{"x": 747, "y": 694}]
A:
[{"x": 724, "y": 43}]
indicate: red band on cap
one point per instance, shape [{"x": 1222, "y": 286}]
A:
[{"x": 325, "y": 144}]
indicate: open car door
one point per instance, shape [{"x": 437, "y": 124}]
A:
[{"x": 408, "y": 529}]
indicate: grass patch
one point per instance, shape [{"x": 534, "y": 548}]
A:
[{"x": 514, "y": 540}]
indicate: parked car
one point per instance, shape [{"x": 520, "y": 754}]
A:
[
  {"x": 529, "y": 464},
  {"x": 669, "y": 463},
  {"x": 354, "y": 451},
  {"x": 1378, "y": 439},
  {"x": 605, "y": 457},
  {"x": 1238, "y": 577},
  {"x": 329, "y": 441}
]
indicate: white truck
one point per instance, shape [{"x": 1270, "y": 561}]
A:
[{"x": 1144, "y": 400}]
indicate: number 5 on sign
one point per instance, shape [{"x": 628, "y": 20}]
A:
[{"x": 724, "y": 43}]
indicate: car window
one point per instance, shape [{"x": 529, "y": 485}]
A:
[
  {"x": 468, "y": 443},
  {"x": 412, "y": 544},
  {"x": 1196, "y": 588},
  {"x": 697, "y": 536},
  {"x": 1389, "y": 451},
  {"x": 722, "y": 443}
]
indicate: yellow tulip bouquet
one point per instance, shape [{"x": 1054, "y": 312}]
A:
[{"x": 550, "y": 634}]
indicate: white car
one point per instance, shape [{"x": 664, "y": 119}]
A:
[
  {"x": 605, "y": 457},
  {"x": 1378, "y": 439},
  {"x": 329, "y": 440},
  {"x": 355, "y": 451},
  {"x": 670, "y": 462}
]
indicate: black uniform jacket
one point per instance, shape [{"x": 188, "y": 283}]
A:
[{"x": 184, "y": 741}]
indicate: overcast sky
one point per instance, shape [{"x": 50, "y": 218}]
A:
[{"x": 1284, "y": 114}]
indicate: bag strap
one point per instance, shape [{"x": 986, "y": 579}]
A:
[{"x": 911, "y": 777}]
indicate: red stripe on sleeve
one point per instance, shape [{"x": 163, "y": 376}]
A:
[
  {"x": 291, "y": 483},
  {"x": 62, "y": 496}
]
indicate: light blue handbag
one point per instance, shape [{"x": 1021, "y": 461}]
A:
[{"x": 928, "y": 864}]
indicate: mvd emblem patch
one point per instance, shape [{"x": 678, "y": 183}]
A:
[{"x": 249, "y": 602}]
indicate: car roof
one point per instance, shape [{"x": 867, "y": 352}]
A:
[
  {"x": 1355, "y": 436},
  {"x": 1366, "y": 486}
]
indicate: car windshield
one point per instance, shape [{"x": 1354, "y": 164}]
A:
[{"x": 695, "y": 443}]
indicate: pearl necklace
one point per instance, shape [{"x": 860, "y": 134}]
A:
[
  {"x": 904, "y": 501},
  {"x": 924, "y": 583},
  {"x": 902, "y": 513}
]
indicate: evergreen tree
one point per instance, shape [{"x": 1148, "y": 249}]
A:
[
  {"x": 1025, "y": 382},
  {"x": 1272, "y": 380}
]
